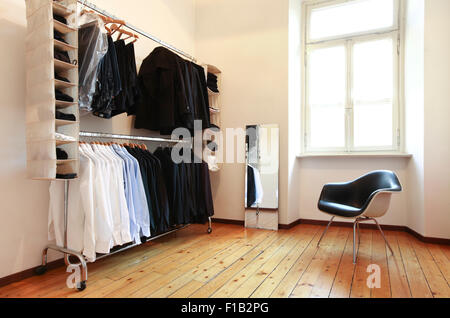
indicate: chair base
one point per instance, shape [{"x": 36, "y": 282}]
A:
[{"x": 356, "y": 229}]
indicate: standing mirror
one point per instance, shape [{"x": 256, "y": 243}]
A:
[{"x": 262, "y": 165}]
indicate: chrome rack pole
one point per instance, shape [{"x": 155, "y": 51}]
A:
[
  {"x": 135, "y": 29},
  {"x": 66, "y": 213},
  {"x": 129, "y": 137},
  {"x": 148, "y": 240},
  {"x": 209, "y": 225}
]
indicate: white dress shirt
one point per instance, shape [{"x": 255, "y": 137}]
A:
[
  {"x": 103, "y": 216},
  {"x": 120, "y": 185}
]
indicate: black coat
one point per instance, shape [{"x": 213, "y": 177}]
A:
[
  {"x": 174, "y": 93},
  {"x": 163, "y": 93}
]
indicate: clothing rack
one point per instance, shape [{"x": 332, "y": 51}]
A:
[
  {"x": 129, "y": 137},
  {"x": 137, "y": 30},
  {"x": 82, "y": 260}
]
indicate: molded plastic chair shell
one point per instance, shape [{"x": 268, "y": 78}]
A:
[{"x": 369, "y": 195}]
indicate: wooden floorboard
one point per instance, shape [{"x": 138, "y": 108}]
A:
[
  {"x": 417, "y": 282},
  {"x": 364, "y": 259},
  {"x": 342, "y": 284},
  {"x": 235, "y": 262},
  {"x": 379, "y": 257},
  {"x": 397, "y": 275}
]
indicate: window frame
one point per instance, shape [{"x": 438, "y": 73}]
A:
[{"x": 348, "y": 41}]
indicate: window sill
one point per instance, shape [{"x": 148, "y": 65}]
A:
[{"x": 355, "y": 155}]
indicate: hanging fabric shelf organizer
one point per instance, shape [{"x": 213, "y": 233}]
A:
[{"x": 43, "y": 69}]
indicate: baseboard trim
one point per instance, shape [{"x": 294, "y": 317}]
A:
[
  {"x": 228, "y": 221},
  {"x": 362, "y": 225},
  {"x": 386, "y": 227},
  {"x": 29, "y": 273},
  {"x": 427, "y": 239},
  {"x": 433, "y": 240},
  {"x": 290, "y": 225}
]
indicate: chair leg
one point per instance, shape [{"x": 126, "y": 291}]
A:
[
  {"x": 355, "y": 225},
  {"x": 359, "y": 234},
  {"x": 325, "y": 231},
  {"x": 382, "y": 234}
]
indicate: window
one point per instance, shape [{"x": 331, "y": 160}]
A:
[{"x": 351, "y": 76}]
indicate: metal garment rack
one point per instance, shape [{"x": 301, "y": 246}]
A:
[
  {"x": 137, "y": 30},
  {"x": 82, "y": 260},
  {"x": 67, "y": 252}
]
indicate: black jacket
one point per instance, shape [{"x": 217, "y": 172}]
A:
[
  {"x": 174, "y": 93},
  {"x": 163, "y": 92}
]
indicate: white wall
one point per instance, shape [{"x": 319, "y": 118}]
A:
[
  {"x": 437, "y": 116},
  {"x": 24, "y": 202},
  {"x": 248, "y": 41},
  {"x": 294, "y": 108},
  {"x": 257, "y": 46},
  {"x": 427, "y": 100},
  {"x": 414, "y": 112},
  {"x": 23, "y": 230}
]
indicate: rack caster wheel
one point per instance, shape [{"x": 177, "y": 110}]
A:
[
  {"x": 209, "y": 230},
  {"x": 40, "y": 270},
  {"x": 81, "y": 286}
]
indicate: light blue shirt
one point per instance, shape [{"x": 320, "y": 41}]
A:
[
  {"x": 128, "y": 185},
  {"x": 141, "y": 212}
]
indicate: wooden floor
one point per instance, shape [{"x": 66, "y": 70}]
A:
[{"x": 238, "y": 262}]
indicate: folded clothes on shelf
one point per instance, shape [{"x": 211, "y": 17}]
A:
[
  {"x": 62, "y": 56},
  {"x": 66, "y": 176},
  {"x": 61, "y": 154},
  {"x": 62, "y": 137},
  {"x": 63, "y": 97},
  {"x": 61, "y": 78},
  {"x": 63, "y": 116},
  {"x": 211, "y": 82},
  {"x": 59, "y": 36},
  {"x": 59, "y": 18}
]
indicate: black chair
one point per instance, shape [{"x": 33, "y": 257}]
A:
[{"x": 363, "y": 199}]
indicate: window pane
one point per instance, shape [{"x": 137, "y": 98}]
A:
[
  {"x": 327, "y": 96},
  {"x": 327, "y": 76},
  {"x": 372, "y": 125},
  {"x": 351, "y": 17},
  {"x": 327, "y": 126},
  {"x": 373, "y": 70}
]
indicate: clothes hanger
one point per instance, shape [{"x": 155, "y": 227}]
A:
[
  {"x": 106, "y": 20},
  {"x": 118, "y": 28}
]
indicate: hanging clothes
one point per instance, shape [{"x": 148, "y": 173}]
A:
[
  {"x": 108, "y": 75},
  {"x": 173, "y": 186},
  {"x": 251, "y": 187},
  {"x": 254, "y": 190},
  {"x": 92, "y": 47},
  {"x": 258, "y": 186},
  {"x": 174, "y": 93},
  {"x": 157, "y": 193},
  {"x": 126, "y": 100},
  {"x": 109, "y": 83},
  {"x": 126, "y": 194}
]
